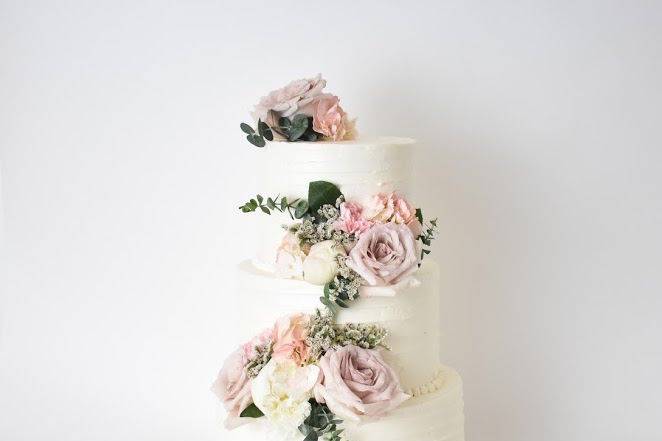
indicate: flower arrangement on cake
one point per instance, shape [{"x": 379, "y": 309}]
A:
[
  {"x": 300, "y": 111},
  {"x": 351, "y": 248},
  {"x": 306, "y": 374}
]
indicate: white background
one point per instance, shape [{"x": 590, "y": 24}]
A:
[{"x": 123, "y": 164}]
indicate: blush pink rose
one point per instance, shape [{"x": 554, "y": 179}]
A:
[
  {"x": 357, "y": 383},
  {"x": 351, "y": 219},
  {"x": 289, "y": 258},
  {"x": 393, "y": 208},
  {"x": 287, "y": 101},
  {"x": 233, "y": 387},
  {"x": 260, "y": 340},
  {"x": 289, "y": 337},
  {"x": 329, "y": 118},
  {"x": 385, "y": 254}
]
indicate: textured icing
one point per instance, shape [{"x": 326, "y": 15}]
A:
[
  {"x": 412, "y": 316},
  {"x": 434, "y": 416},
  {"x": 360, "y": 168}
]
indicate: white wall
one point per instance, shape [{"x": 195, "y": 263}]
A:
[{"x": 123, "y": 164}]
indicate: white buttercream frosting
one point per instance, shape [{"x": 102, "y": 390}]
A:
[
  {"x": 411, "y": 316},
  {"x": 435, "y": 416},
  {"x": 360, "y": 168}
]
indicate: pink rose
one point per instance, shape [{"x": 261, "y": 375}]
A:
[
  {"x": 289, "y": 337},
  {"x": 351, "y": 219},
  {"x": 358, "y": 383},
  {"x": 233, "y": 388},
  {"x": 385, "y": 254},
  {"x": 289, "y": 258},
  {"x": 260, "y": 340},
  {"x": 393, "y": 208},
  {"x": 294, "y": 98},
  {"x": 329, "y": 118}
]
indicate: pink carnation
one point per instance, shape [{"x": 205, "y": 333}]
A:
[
  {"x": 329, "y": 118},
  {"x": 289, "y": 337},
  {"x": 351, "y": 219},
  {"x": 393, "y": 208}
]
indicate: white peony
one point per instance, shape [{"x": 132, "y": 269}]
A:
[
  {"x": 321, "y": 264},
  {"x": 282, "y": 390}
]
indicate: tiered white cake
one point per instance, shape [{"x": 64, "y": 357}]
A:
[{"x": 360, "y": 168}]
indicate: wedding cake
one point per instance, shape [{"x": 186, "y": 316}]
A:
[{"x": 341, "y": 302}]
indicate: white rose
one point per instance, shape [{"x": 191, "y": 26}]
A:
[
  {"x": 321, "y": 265},
  {"x": 282, "y": 390}
]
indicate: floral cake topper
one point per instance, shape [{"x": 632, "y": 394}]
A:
[
  {"x": 300, "y": 111},
  {"x": 350, "y": 247}
]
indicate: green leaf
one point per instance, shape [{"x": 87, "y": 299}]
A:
[
  {"x": 301, "y": 209},
  {"x": 265, "y": 210},
  {"x": 246, "y": 128},
  {"x": 341, "y": 303},
  {"x": 256, "y": 140},
  {"x": 259, "y": 199},
  {"x": 327, "y": 290},
  {"x": 271, "y": 204},
  {"x": 312, "y": 436},
  {"x": 264, "y": 130},
  {"x": 284, "y": 123},
  {"x": 251, "y": 412},
  {"x": 299, "y": 126},
  {"x": 329, "y": 304},
  {"x": 320, "y": 193},
  {"x": 283, "y": 203},
  {"x": 419, "y": 215}
]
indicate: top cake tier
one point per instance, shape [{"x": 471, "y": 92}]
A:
[{"x": 360, "y": 168}]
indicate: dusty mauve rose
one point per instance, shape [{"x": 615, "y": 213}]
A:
[
  {"x": 385, "y": 254},
  {"x": 358, "y": 383},
  {"x": 392, "y": 207},
  {"x": 289, "y": 337},
  {"x": 351, "y": 219},
  {"x": 329, "y": 118},
  {"x": 294, "y": 98},
  {"x": 233, "y": 388}
]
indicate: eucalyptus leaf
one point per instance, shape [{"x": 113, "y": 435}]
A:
[
  {"x": 256, "y": 140},
  {"x": 246, "y": 128},
  {"x": 264, "y": 130},
  {"x": 251, "y": 412},
  {"x": 271, "y": 204},
  {"x": 321, "y": 193},
  {"x": 301, "y": 209},
  {"x": 419, "y": 215},
  {"x": 265, "y": 210},
  {"x": 298, "y": 128}
]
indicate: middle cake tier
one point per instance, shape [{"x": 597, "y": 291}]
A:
[{"x": 411, "y": 316}]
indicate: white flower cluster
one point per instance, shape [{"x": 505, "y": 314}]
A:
[{"x": 324, "y": 334}]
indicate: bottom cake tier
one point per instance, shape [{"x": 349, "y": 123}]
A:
[{"x": 435, "y": 414}]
